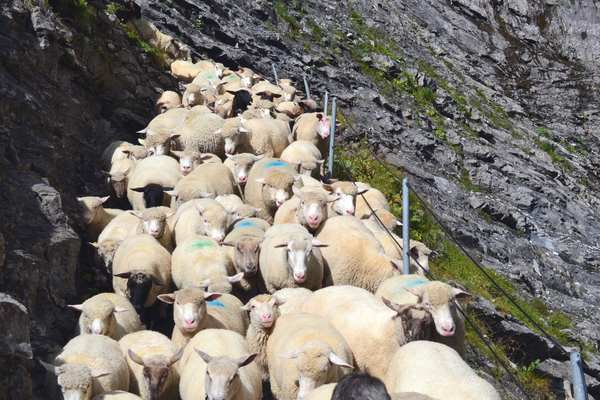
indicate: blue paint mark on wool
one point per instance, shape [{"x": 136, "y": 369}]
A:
[
  {"x": 246, "y": 224},
  {"x": 414, "y": 283},
  {"x": 215, "y": 303},
  {"x": 276, "y": 163}
]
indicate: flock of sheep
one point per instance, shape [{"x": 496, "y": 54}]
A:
[{"x": 276, "y": 281}]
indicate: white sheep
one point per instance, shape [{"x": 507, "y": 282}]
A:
[
  {"x": 157, "y": 222},
  {"x": 308, "y": 207},
  {"x": 95, "y": 216},
  {"x": 374, "y": 197},
  {"x": 200, "y": 261},
  {"x": 149, "y": 181},
  {"x": 347, "y": 194},
  {"x": 266, "y": 136},
  {"x": 372, "y": 330},
  {"x": 290, "y": 108},
  {"x": 304, "y": 154},
  {"x": 167, "y": 122},
  {"x": 358, "y": 259},
  {"x": 118, "y": 176},
  {"x": 113, "y": 152},
  {"x": 217, "y": 365},
  {"x": 90, "y": 365},
  {"x": 304, "y": 352},
  {"x": 189, "y": 160},
  {"x": 240, "y": 165},
  {"x": 437, "y": 298},
  {"x": 435, "y": 370},
  {"x": 292, "y": 299},
  {"x": 195, "y": 310},
  {"x": 252, "y": 222},
  {"x": 291, "y": 257},
  {"x": 206, "y": 180},
  {"x": 167, "y": 100},
  {"x": 194, "y": 96},
  {"x": 159, "y": 144},
  {"x": 121, "y": 227},
  {"x": 201, "y": 217},
  {"x": 186, "y": 70},
  {"x": 269, "y": 185},
  {"x": 141, "y": 270},
  {"x": 117, "y": 395},
  {"x": 200, "y": 133},
  {"x": 263, "y": 311},
  {"x": 150, "y": 357},
  {"x": 312, "y": 127},
  {"x": 323, "y": 392},
  {"x": 108, "y": 314}
]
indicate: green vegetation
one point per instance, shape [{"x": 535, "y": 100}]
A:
[
  {"x": 467, "y": 183},
  {"x": 157, "y": 54},
  {"x": 358, "y": 163},
  {"x": 113, "y": 8},
  {"x": 550, "y": 149}
]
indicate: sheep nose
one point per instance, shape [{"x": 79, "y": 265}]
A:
[
  {"x": 189, "y": 321},
  {"x": 299, "y": 277},
  {"x": 242, "y": 179},
  {"x": 313, "y": 218},
  {"x": 350, "y": 211},
  {"x": 266, "y": 317}
]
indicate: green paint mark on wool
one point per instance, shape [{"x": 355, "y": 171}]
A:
[{"x": 201, "y": 244}]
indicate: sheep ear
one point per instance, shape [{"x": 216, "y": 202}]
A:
[
  {"x": 205, "y": 284},
  {"x": 172, "y": 193},
  {"x": 207, "y": 358},
  {"x": 142, "y": 141},
  {"x": 228, "y": 244},
  {"x": 50, "y": 367},
  {"x": 143, "y": 131},
  {"x": 276, "y": 301},
  {"x": 398, "y": 223},
  {"x": 175, "y": 136},
  {"x": 296, "y": 192},
  {"x": 241, "y": 129},
  {"x": 280, "y": 245},
  {"x": 246, "y": 307},
  {"x": 168, "y": 298},
  {"x": 332, "y": 199},
  {"x": 100, "y": 374},
  {"x": 175, "y": 357},
  {"x": 337, "y": 360},
  {"x": 243, "y": 361},
  {"x": 206, "y": 157},
  {"x": 95, "y": 244},
  {"x": 104, "y": 199},
  {"x": 120, "y": 309},
  {"x": 211, "y": 296},
  {"x": 235, "y": 278},
  {"x": 290, "y": 354},
  {"x": 78, "y": 307},
  {"x": 390, "y": 304},
  {"x": 318, "y": 243},
  {"x": 138, "y": 190},
  {"x": 124, "y": 275},
  {"x": 416, "y": 291},
  {"x": 261, "y": 181},
  {"x": 328, "y": 187},
  {"x": 398, "y": 265},
  {"x": 135, "y": 358},
  {"x": 461, "y": 294},
  {"x": 319, "y": 116}
]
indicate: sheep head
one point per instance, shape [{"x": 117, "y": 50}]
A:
[
  {"x": 222, "y": 381},
  {"x": 246, "y": 254},
  {"x": 98, "y": 317},
  {"x": 189, "y": 306},
  {"x": 299, "y": 248},
  {"x": 156, "y": 370},
  {"x": 264, "y": 311}
]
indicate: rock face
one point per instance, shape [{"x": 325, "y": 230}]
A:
[
  {"x": 70, "y": 82},
  {"x": 490, "y": 106}
]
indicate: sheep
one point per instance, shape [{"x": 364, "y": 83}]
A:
[
  {"x": 118, "y": 176},
  {"x": 277, "y": 131},
  {"x": 122, "y": 226},
  {"x": 308, "y": 208},
  {"x": 113, "y": 152},
  {"x": 438, "y": 300},
  {"x": 381, "y": 219},
  {"x": 360, "y": 386},
  {"x": 141, "y": 271},
  {"x": 291, "y": 257},
  {"x": 269, "y": 185},
  {"x": 256, "y": 112},
  {"x": 291, "y": 109},
  {"x": 312, "y": 127},
  {"x": 323, "y": 392},
  {"x": 172, "y": 48},
  {"x": 358, "y": 259},
  {"x": 248, "y": 77},
  {"x": 304, "y": 352},
  {"x": 266, "y": 137},
  {"x": 206, "y": 180},
  {"x": 217, "y": 365},
  {"x": 157, "y": 222},
  {"x": 435, "y": 370},
  {"x": 150, "y": 356},
  {"x": 189, "y": 160},
  {"x": 167, "y": 122},
  {"x": 201, "y": 133},
  {"x": 263, "y": 311},
  {"x": 95, "y": 216},
  {"x": 241, "y": 100},
  {"x": 374, "y": 197},
  {"x": 240, "y": 165},
  {"x": 201, "y": 217},
  {"x": 193, "y": 96},
  {"x": 292, "y": 298},
  {"x": 372, "y": 330},
  {"x": 159, "y": 144},
  {"x": 242, "y": 246},
  {"x": 252, "y": 222},
  {"x": 305, "y": 154},
  {"x": 347, "y": 194},
  {"x": 167, "y": 100},
  {"x": 108, "y": 314},
  {"x": 235, "y": 207},
  {"x": 199, "y": 261},
  {"x": 186, "y": 70},
  {"x": 195, "y": 310},
  {"x": 411, "y": 396},
  {"x": 150, "y": 180},
  {"x": 117, "y": 395},
  {"x": 89, "y": 365}
]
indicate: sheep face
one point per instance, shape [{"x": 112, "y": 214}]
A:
[
  {"x": 323, "y": 126},
  {"x": 312, "y": 210},
  {"x": 156, "y": 371},
  {"x": 188, "y": 161},
  {"x": 274, "y": 197},
  {"x": 75, "y": 380},
  {"x": 189, "y": 306},
  {"x": 222, "y": 381},
  {"x": 214, "y": 223},
  {"x": 154, "y": 195},
  {"x": 90, "y": 206},
  {"x": 139, "y": 285},
  {"x": 153, "y": 222},
  {"x": 98, "y": 318},
  {"x": 221, "y": 284},
  {"x": 314, "y": 362},
  {"x": 242, "y": 163},
  {"x": 438, "y": 299},
  {"x": 299, "y": 251},
  {"x": 247, "y": 254},
  {"x": 345, "y": 203},
  {"x": 264, "y": 311}
]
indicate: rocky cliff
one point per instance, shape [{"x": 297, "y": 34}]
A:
[{"x": 489, "y": 106}]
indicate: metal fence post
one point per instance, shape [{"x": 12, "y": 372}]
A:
[
  {"x": 331, "y": 137},
  {"x": 275, "y": 74},
  {"x": 306, "y": 88},
  {"x": 405, "y": 227},
  {"x": 325, "y": 103},
  {"x": 577, "y": 377}
]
